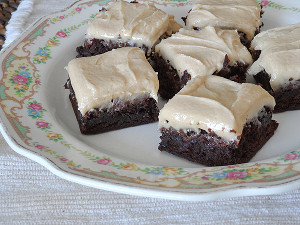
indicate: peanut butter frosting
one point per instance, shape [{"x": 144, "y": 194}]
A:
[
  {"x": 215, "y": 103},
  {"x": 243, "y": 15},
  {"x": 202, "y": 52},
  {"x": 122, "y": 73},
  {"x": 280, "y": 55},
  {"x": 276, "y": 36},
  {"x": 142, "y": 24}
]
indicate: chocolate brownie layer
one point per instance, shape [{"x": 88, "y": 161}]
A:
[
  {"x": 96, "y": 46},
  {"x": 169, "y": 80},
  {"x": 244, "y": 40},
  {"x": 255, "y": 54},
  {"x": 170, "y": 83},
  {"x": 287, "y": 97},
  {"x": 121, "y": 115},
  {"x": 209, "y": 149}
]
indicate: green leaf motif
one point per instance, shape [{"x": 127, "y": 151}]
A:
[
  {"x": 291, "y": 173},
  {"x": 9, "y": 60},
  {"x": 37, "y": 33},
  {"x": 281, "y": 7},
  {"x": 22, "y": 129},
  {"x": 103, "y": 2},
  {"x": 2, "y": 93}
]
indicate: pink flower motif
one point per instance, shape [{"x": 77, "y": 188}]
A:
[
  {"x": 35, "y": 106},
  {"x": 22, "y": 67},
  {"x": 37, "y": 81},
  {"x": 236, "y": 175},
  {"x": 181, "y": 4},
  {"x": 20, "y": 79},
  {"x": 61, "y": 34},
  {"x": 42, "y": 124},
  {"x": 104, "y": 161},
  {"x": 78, "y": 9},
  {"x": 204, "y": 178},
  {"x": 291, "y": 156},
  {"x": 231, "y": 166},
  {"x": 264, "y": 2},
  {"x": 61, "y": 17},
  {"x": 40, "y": 146},
  {"x": 63, "y": 159}
]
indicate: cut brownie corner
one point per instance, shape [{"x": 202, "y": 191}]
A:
[
  {"x": 287, "y": 97},
  {"x": 235, "y": 72},
  {"x": 169, "y": 81}
]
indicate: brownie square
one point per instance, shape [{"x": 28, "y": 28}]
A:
[
  {"x": 127, "y": 24},
  {"x": 123, "y": 114},
  {"x": 190, "y": 53},
  {"x": 115, "y": 90},
  {"x": 214, "y": 121},
  {"x": 276, "y": 69},
  {"x": 243, "y": 16}
]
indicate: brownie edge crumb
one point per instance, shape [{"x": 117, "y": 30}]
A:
[{"x": 96, "y": 46}]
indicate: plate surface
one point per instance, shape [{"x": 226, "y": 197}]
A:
[{"x": 38, "y": 122}]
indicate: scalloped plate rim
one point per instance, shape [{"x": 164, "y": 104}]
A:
[{"x": 147, "y": 192}]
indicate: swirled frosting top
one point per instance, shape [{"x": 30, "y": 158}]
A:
[
  {"x": 202, "y": 52},
  {"x": 276, "y": 36},
  {"x": 217, "y": 104},
  {"x": 243, "y": 15},
  {"x": 142, "y": 24},
  {"x": 122, "y": 73},
  {"x": 280, "y": 54}
]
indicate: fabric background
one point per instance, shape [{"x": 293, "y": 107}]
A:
[{"x": 30, "y": 194}]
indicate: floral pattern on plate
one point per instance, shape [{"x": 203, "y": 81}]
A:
[{"x": 30, "y": 123}]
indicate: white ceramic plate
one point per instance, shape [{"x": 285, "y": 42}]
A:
[{"x": 37, "y": 121}]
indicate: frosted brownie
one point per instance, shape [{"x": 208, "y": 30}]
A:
[
  {"x": 214, "y": 121},
  {"x": 113, "y": 90},
  {"x": 277, "y": 67},
  {"x": 242, "y": 15},
  {"x": 192, "y": 53},
  {"x": 124, "y": 24}
]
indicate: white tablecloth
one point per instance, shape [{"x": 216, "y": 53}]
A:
[{"x": 30, "y": 194}]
